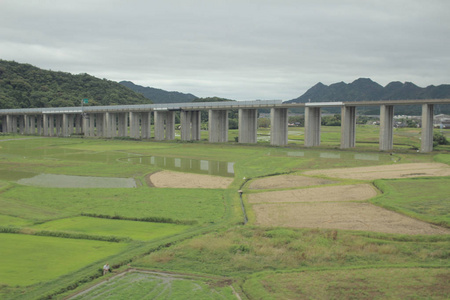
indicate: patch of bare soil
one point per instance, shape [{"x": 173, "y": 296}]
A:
[
  {"x": 353, "y": 192},
  {"x": 286, "y": 181},
  {"x": 341, "y": 215},
  {"x": 386, "y": 171},
  {"x": 170, "y": 179}
]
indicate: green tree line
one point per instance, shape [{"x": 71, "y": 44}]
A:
[{"x": 26, "y": 86}]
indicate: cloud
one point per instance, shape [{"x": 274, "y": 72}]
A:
[{"x": 248, "y": 49}]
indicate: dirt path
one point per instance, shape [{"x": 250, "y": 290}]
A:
[{"x": 170, "y": 179}]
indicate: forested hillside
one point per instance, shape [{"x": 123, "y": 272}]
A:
[
  {"x": 366, "y": 89},
  {"x": 26, "y": 86},
  {"x": 158, "y": 95}
]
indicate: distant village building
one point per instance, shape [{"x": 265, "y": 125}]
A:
[{"x": 441, "y": 121}]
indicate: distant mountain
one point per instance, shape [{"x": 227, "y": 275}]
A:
[
  {"x": 158, "y": 95},
  {"x": 364, "y": 89},
  {"x": 26, "y": 86}
]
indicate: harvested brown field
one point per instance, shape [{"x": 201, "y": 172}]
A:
[
  {"x": 341, "y": 215},
  {"x": 386, "y": 171},
  {"x": 170, "y": 179},
  {"x": 286, "y": 181},
  {"x": 353, "y": 192},
  {"x": 334, "y": 207}
]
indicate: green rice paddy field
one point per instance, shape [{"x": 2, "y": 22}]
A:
[{"x": 191, "y": 243}]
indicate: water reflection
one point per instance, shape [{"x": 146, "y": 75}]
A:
[
  {"x": 330, "y": 155},
  {"x": 210, "y": 167},
  {"x": 336, "y": 155},
  {"x": 367, "y": 156}
]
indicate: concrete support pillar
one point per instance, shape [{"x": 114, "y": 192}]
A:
[
  {"x": 65, "y": 125},
  {"x": 113, "y": 125},
  {"x": 32, "y": 127},
  {"x": 170, "y": 125},
  {"x": 159, "y": 125},
  {"x": 312, "y": 126},
  {"x": 89, "y": 125},
  {"x": 71, "y": 120},
  {"x": 107, "y": 125},
  {"x": 7, "y": 124},
  {"x": 85, "y": 124},
  {"x": 164, "y": 125},
  {"x": 386, "y": 127},
  {"x": 196, "y": 123},
  {"x": 135, "y": 125},
  {"x": 248, "y": 125},
  {"x": 278, "y": 126},
  {"x": 58, "y": 123},
  {"x": 51, "y": 125},
  {"x": 77, "y": 123},
  {"x": 348, "y": 127},
  {"x": 23, "y": 124},
  {"x": 14, "y": 124},
  {"x": 4, "y": 124},
  {"x": 218, "y": 126},
  {"x": 99, "y": 121},
  {"x": 190, "y": 125},
  {"x": 146, "y": 120},
  {"x": 21, "y": 120},
  {"x": 122, "y": 124},
  {"x": 39, "y": 124},
  {"x": 427, "y": 128},
  {"x": 92, "y": 124},
  {"x": 45, "y": 125}
]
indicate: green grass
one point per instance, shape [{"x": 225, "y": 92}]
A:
[
  {"x": 246, "y": 250},
  {"x": 427, "y": 199},
  {"x": 121, "y": 228},
  {"x": 202, "y": 205},
  {"x": 137, "y": 285},
  {"x": 383, "y": 283},
  {"x": 29, "y": 259},
  {"x": 217, "y": 244}
]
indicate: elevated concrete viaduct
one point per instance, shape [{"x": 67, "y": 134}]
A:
[{"x": 135, "y": 121}]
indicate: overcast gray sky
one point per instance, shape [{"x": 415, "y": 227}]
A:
[{"x": 242, "y": 50}]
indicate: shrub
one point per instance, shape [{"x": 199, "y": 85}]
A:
[{"x": 439, "y": 139}]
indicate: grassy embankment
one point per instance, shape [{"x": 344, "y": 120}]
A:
[{"x": 244, "y": 254}]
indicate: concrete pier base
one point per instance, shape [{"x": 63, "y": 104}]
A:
[
  {"x": 427, "y": 128},
  {"x": 218, "y": 126},
  {"x": 348, "y": 127},
  {"x": 122, "y": 124},
  {"x": 386, "y": 127},
  {"x": 248, "y": 125},
  {"x": 279, "y": 126},
  {"x": 190, "y": 125},
  {"x": 312, "y": 126},
  {"x": 135, "y": 119},
  {"x": 164, "y": 125},
  {"x": 146, "y": 118},
  {"x": 65, "y": 125}
]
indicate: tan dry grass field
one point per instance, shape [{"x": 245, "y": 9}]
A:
[
  {"x": 286, "y": 181},
  {"x": 341, "y": 215},
  {"x": 388, "y": 171},
  {"x": 334, "y": 207},
  {"x": 170, "y": 179},
  {"x": 354, "y": 192}
]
